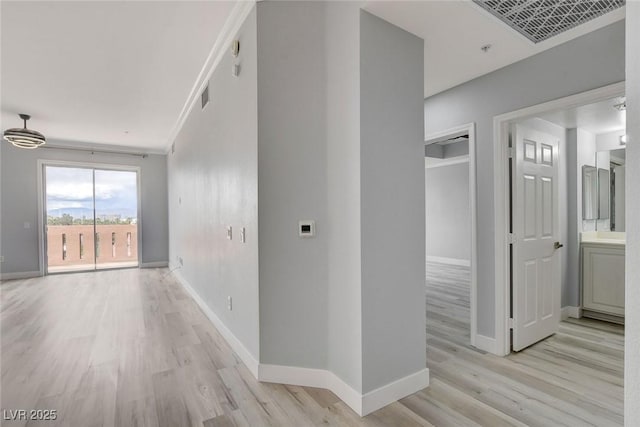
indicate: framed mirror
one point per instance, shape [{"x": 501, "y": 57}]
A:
[
  {"x": 589, "y": 192},
  {"x": 603, "y": 193}
]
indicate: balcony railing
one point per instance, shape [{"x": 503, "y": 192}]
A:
[{"x": 75, "y": 247}]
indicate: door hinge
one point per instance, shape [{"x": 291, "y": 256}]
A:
[
  {"x": 511, "y": 238},
  {"x": 510, "y": 152},
  {"x": 510, "y": 323}
]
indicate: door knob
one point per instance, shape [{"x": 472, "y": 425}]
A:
[{"x": 557, "y": 245}]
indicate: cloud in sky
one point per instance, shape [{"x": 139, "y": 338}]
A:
[{"x": 115, "y": 191}]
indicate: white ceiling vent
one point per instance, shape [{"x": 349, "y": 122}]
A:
[{"x": 539, "y": 20}]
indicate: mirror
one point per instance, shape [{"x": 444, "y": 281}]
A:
[
  {"x": 589, "y": 192},
  {"x": 611, "y": 183},
  {"x": 603, "y": 193}
]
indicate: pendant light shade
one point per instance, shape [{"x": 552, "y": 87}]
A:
[{"x": 23, "y": 137}]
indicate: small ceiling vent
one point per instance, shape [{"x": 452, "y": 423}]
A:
[
  {"x": 539, "y": 20},
  {"x": 204, "y": 98}
]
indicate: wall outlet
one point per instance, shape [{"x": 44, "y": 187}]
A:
[
  {"x": 230, "y": 303},
  {"x": 243, "y": 235},
  {"x": 229, "y": 233}
]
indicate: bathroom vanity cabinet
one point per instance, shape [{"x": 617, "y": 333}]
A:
[{"x": 603, "y": 279}]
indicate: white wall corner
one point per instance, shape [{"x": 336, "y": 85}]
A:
[
  {"x": 570, "y": 311},
  {"x": 237, "y": 346},
  {"x": 487, "y": 344},
  {"x": 20, "y": 275}
]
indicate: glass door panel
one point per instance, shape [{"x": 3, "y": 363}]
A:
[
  {"x": 116, "y": 216},
  {"x": 70, "y": 219}
]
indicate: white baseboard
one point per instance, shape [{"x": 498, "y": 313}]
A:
[
  {"x": 20, "y": 275},
  {"x": 451, "y": 261},
  {"x": 231, "y": 339},
  {"x": 308, "y": 377},
  {"x": 486, "y": 343},
  {"x": 569, "y": 311},
  {"x": 154, "y": 264},
  {"x": 361, "y": 404},
  {"x": 396, "y": 390}
]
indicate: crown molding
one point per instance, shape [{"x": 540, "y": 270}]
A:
[{"x": 231, "y": 27}]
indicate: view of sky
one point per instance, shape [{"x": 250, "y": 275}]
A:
[{"x": 70, "y": 190}]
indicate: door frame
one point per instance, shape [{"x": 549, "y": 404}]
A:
[
  {"x": 42, "y": 163},
  {"x": 501, "y": 193},
  {"x": 470, "y": 129}
]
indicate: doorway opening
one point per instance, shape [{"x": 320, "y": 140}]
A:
[
  {"x": 90, "y": 217},
  {"x": 559, "y": 244},
  {"x": 450, "y": 216}
]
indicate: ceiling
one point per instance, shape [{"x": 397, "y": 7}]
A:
[
  {"x": 454, "y": 32},
  {"x": 112, "y": 72},
  {"x": 597, "y": 118},
  {"x": 120, "y": 72}
]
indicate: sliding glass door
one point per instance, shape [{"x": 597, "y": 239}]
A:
[
  {"x": 116, "y": 204},
  {"x": 91, "y": 218}
]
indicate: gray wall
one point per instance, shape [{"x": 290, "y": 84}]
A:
[
  {"x": 392, "y": 202},
  {"x": 585, "y": 63},
  {"x": 448, "y": 214},
  {"x": 327, "y": 137},
  {"x": 632, "y": 295},
  {"x": 293, "y": 183},
  {"x": 20, "y": 246},
  {"x": 213, "y": 183}
]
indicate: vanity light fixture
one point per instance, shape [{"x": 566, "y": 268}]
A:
[{"x": 23, "y": 137}]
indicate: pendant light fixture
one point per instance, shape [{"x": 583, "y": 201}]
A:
[{"x": 23, "y": 137}]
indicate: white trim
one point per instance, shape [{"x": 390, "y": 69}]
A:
[
  {"x": 237, "y": 346},
  {"x": 220, "y": 48},
  {"x": 154, "y": 264},
  {"x": 431, "y": 162},
  {"x": 41, "y": 163},
  {"x": 450, "y": 261},
  {"x": 501, "y": 192},
  {"x": 485, "y": 343},
  {"x": 469, "y": 129},
  {"x": 20, "y": 275},
  {"x": 570, "y": 311},
  {"x": 308, "y": 377},
  {"x": 362, "y": 404},
  {"x": 381, "y": 397}
]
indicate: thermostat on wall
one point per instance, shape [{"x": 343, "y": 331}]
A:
[{"x": 307, "y": 228}]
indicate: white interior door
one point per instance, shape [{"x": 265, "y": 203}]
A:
[{"x": 535, "y": 216}]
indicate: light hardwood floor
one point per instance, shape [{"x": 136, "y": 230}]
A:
[{"x": 130, "y": 348}]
